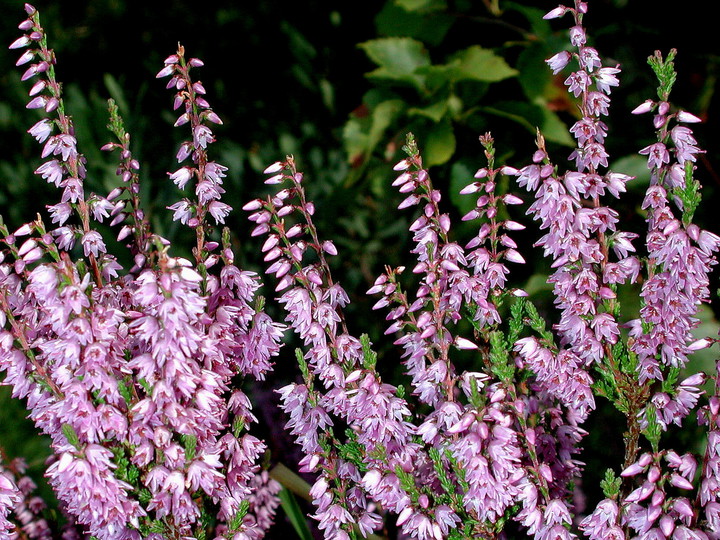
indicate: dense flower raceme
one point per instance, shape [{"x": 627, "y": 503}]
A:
[
  {"x": 131, "y": 374},
  {"x": 483, "y": 447}
]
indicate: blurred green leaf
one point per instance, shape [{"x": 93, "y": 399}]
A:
[
  {"x": 440, "y": 144},
  {"x": 532, "y": 117},
  {"x": 398, "y": 58},
  {"x": 421, "y": 5},
  {"x": 435, "y": 112},
  {"x": 117, "y": 93},
  {"x": 460, "y": 176},
  {"x": 534, "y": 76},
  {"x": 539, "y": 26},
  {"x": 362, "y": 135},
  {"x": 481, "y": 64},
  {"x": 633, "y": 165},
  {"x": 294, "y": 514}
]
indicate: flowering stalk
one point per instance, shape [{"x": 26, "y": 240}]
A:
[
  {"x": 131, "y": 376},
  {"x": 67, "y": 167},
  {"x": 208, "y": 174},
  {"x": 345, "y": 365},
  {"x": 128, "y": 171}
]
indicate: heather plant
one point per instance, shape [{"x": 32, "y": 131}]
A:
[{"x": 135, "y": 375}]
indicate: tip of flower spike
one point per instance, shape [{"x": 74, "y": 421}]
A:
[{"x": 30, "y": 9}]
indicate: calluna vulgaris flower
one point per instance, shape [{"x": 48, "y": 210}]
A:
[{"x": 130, "y": 373}]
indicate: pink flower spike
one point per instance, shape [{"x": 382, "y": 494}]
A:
[
  {"x": 558, "y": 62},
  {"x": 714, "y": 405},
  {"x": 404, "y": 515},
  {"x": 257, "y": 204},
  {"x": 680, "y": 482},
  {"x": 27, "y": 246},
  {"x": 409, "y": 201},
  {"x": 25, "y": 57},
  {"x": 632, "y": 470},
  {"x": 33, "y": 255},
  {"x": 513, "y": 226},
  {"x": 509, "y": 198},
  {"x": 465, "y": 344}
]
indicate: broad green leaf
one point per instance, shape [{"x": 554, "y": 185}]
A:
[
  {"x": 535, "y": 76},
  {"x": 362, "y": 135},
  {"x": 435, "y": 112},
  {"x": 295, "y": 515},
  {"x": 633, "y": 165},
  {"x": 440, "y": 144},
  {"x": 398, "y": 59},
  {"x": 534, "y": 117},
  {"x": 382, "y": 117},
  {"x": 460, "y": 177},
  {"x": 481, "y": 64},
  {"x": 554, "y": 129},
  {"x": 539, "y": 26}
]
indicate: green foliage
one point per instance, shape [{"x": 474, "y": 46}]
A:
[
  {"x": 294, "y": 514},
  {"x": 654, "y": 430},
  {"x": 611, "y": 484},
  {"x": 71, "y": 436},
  {"x": 369, "y": 356},
  {"x": 501, "y": 365},
  {"x": 665, "y": 72}
]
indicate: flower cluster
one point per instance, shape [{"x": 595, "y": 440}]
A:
[{"x": 134, "y": 375}]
